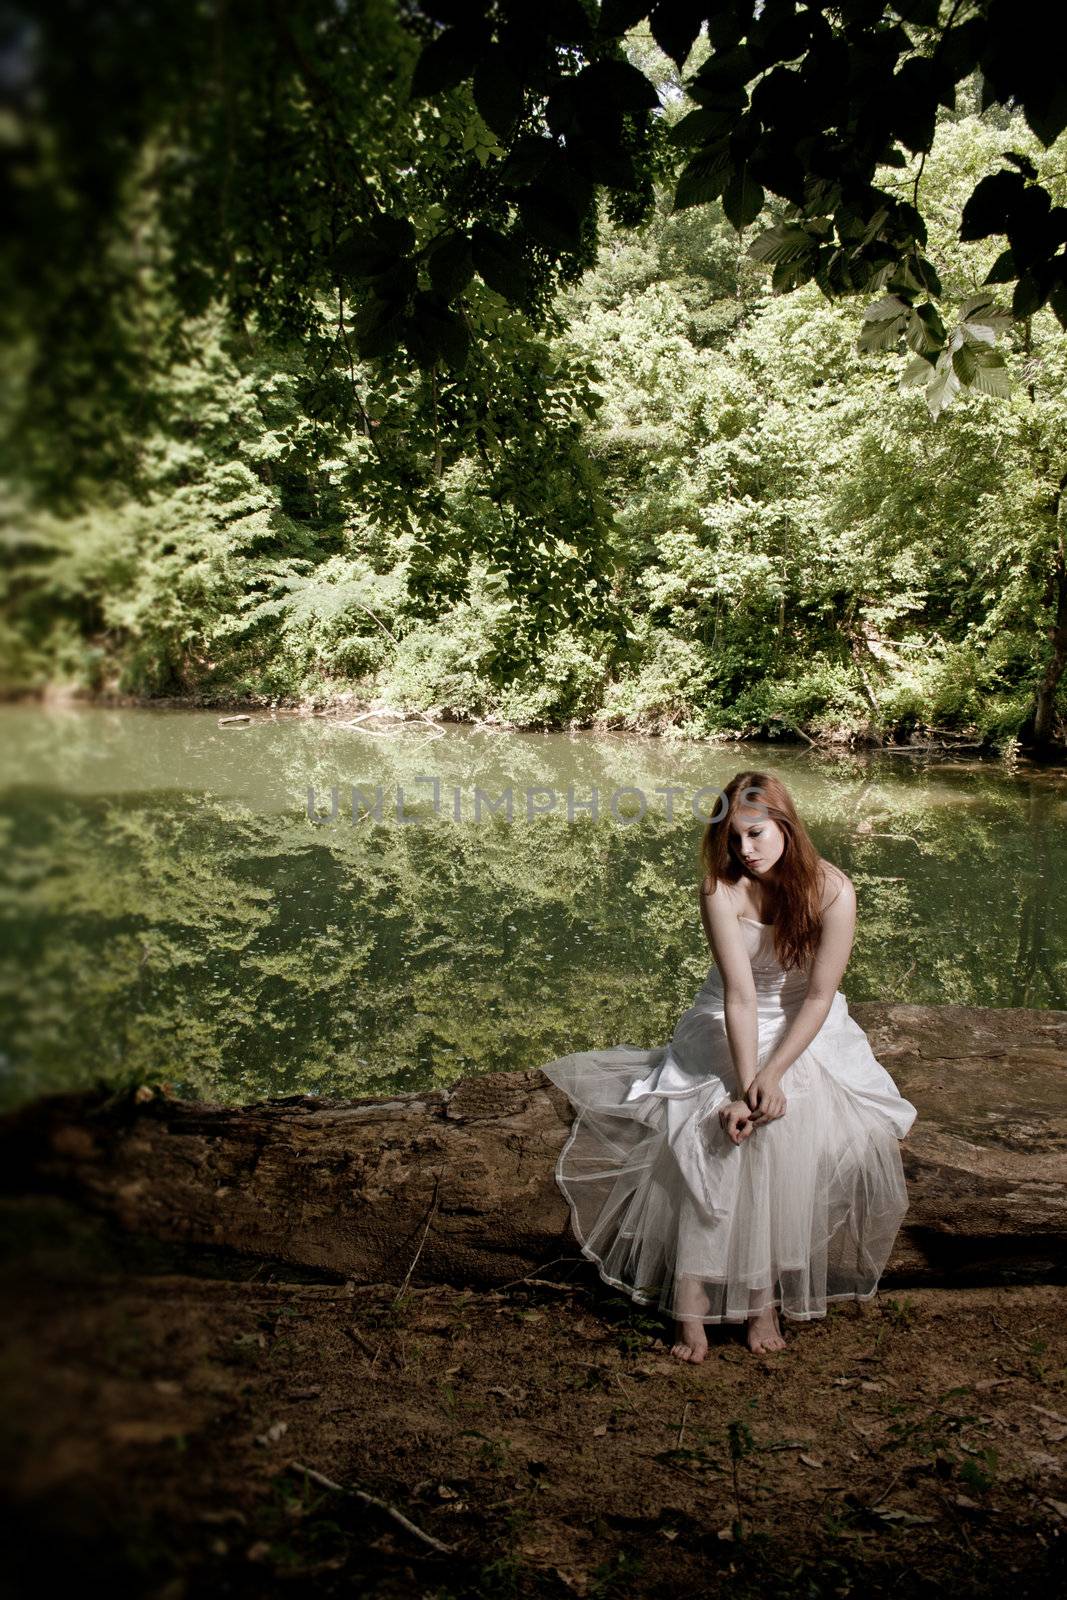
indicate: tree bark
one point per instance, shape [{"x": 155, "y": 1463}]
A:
[{"x": 1045, "y": 700}]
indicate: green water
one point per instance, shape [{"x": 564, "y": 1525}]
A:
[{"x": 168, "y": 907}]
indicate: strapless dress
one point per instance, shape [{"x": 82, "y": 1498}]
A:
[{"x": 802, "y": 1212}]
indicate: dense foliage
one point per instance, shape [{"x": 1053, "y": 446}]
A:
[{"x": 650, "y": 492}]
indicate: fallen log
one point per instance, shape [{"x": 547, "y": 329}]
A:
[{"x": 457, "y": 1185}]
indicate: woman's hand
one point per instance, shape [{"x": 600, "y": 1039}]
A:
[
  {"x": 764, "y": 1097},
  {"x": 736, "y": 1120}
]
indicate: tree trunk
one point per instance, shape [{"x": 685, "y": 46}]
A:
[
  {"x": 457, "y": 1185},
  {"x": 1045, "y": 699}
]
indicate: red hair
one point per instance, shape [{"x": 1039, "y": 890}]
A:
[{"x": 793, "y": 902}]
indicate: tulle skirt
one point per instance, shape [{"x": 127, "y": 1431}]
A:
[{"x": 803, "y": 1211}]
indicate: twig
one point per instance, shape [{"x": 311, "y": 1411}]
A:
[
  {"x": 555, "y": 1262},
  {"x": 625, "y": 1391},
  {"x": 681, "y": 1426},
  {"x": 778, "y": 717},
  {"x": 372, "y": 1500},
  {"x": 550, "y": 1283},
  {"x": 422, "y": 1241},
  {"x": 358, "y": 1339},
  {"x": 1011, "y": 1337},
  {"x": 890, "y": 1485},
  {"x": 388, "y": 633},
  {"x": 387, "y": 712}
]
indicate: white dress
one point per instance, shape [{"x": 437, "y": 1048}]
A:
[{"x": 805, "y": 1210}]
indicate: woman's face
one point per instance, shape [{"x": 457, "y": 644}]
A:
[{"x": 757, "y": 839}]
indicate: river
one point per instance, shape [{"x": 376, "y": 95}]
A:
[{"x": 172, "y": 910}]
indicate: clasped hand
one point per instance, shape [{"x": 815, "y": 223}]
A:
[{"x": 763, "y": 1102}]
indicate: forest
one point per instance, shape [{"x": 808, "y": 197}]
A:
[{"x": 681, "y": 499}]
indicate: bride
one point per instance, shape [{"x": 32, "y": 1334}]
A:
[{"x": 752, "y": 1164}]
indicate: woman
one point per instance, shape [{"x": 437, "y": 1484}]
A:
[{"x": 753, "y": 1163}]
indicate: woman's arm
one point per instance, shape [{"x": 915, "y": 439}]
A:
[
  {"x": 827, "y": 970},
  {"x": 739, "y": 991}
]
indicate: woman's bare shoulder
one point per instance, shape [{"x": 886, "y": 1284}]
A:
[
  {"x": 722, "y": 892},
  {"x": 834, "y": 883}
]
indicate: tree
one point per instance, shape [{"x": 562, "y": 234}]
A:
[{"x": 401, "y": 189}]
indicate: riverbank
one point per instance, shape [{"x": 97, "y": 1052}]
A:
[{"x": 939, "y": 743}]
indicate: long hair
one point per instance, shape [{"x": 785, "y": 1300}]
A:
[{"x": 794, "y": 901}]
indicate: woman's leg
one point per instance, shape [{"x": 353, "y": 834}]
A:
[
  {"x": 763, "y": 1332},
  {"x": 692, "y": 1303}
]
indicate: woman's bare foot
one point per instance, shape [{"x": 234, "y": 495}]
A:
[
  {"x": 689, "y": 1307},
  {"x": 763, "y": 1332},
  {"x": 692, "y": 1341}
]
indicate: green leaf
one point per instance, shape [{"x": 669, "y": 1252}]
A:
[
  {"x": 619, "y": 16},
  {"x": 701, "y": 125},
  {"x": 616, "y": 84},
  {"x": 923, "y": 12},
  {"x": 605, "y": 164},
  {"x": 989, "y": 208},
  {"x": 1003, "y": 269},
  {"x": 433, "y": 332},
  {"x": 373, "y": 251},
  {"x": 704, "y": 177},
  {"x": 890, "y": 305},
  {"x": 943, "y": 387},
  {"x": 779, "y": 38},
  {"x": 791, "y": 274},
  {"x": 499, "y": 263},
  {"x": 550, "y": 217},
  {"x": 925, "y": 273},
  {"x": 918, "y": 371},
  {"x": 445, "y": 62},
  {"x": 784, "y": 242},
  {"x": 1024, "y": 164},
  {"x": 379, "y": 326},
  {"x": 526, "y": 160},
  {"x": 1027, "y": 297},
  {"x": 742, "y": 199},
  {"x": 451, "y": 265},
  {"x": 1045, "y": 109},
  {"x": 914, "y": 103},
  {"x": 675, "y": 27},
  {"x": 983, "y": 308},
  {"x": 924, "y": 330},
  {"x": 957, "y": 54},
  {"x": 724, "y": 70},
  {"x": 964, "y": 363},
  {"x": 566, "y": 20},
  {"x": 498, "y": 93},
  {"x": 978, "y": 333},
  {"x": 991, "y": 375},
  {"x": 882, "y": 335}
]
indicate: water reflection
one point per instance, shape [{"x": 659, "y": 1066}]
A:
[{"x": 168, "y": 905}]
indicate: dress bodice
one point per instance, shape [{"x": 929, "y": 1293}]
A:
[{"x": 767, "y": 970}]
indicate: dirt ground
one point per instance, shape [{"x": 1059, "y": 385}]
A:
[{"x": 157, "y": 1415}]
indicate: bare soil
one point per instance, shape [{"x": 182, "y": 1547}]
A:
[{"x": 159, "y": 1407}]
